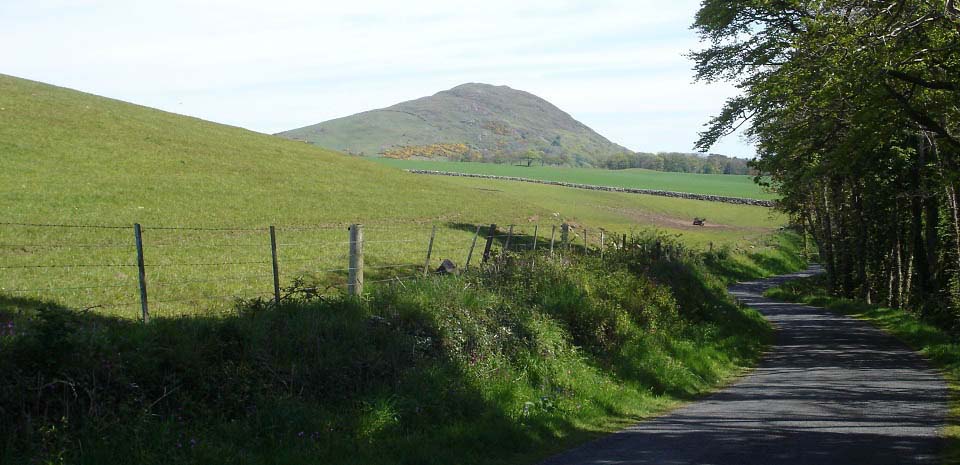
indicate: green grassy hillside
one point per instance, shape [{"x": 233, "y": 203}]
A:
[
  {"x": 714, "y": 184},
  {"x": 75, "y": 158}
]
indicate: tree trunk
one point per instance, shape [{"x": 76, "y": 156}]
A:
[
  {"x": 920, "y": 265},
  {"x": 932, "y": 217},
  {"x": 823, "y": 217},
  {"x": 861, "y": 243},
  {"x": 842, "y": 234}
]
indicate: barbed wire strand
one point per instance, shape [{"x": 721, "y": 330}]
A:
[
  {"x": 396, "y": 278},
  {"x": 312, "y": 244},
  {"x": 399, "y": 241},
  {"x": 159, "y": 265},
  {"x": 318, "y": 288},
  {"x": 65, "y": 246},
  {"x": 113, "y": 305},
  {"x": 45, "y": 225},
  {"x": 206, "y": 298},
  {"x": 313, "y": 228},
  {"x": 39, "y": 289},
  {"x": 334, "y": 270},
  {"x": 79, "y": 265},
  {"x": 389, "y": 266},
  {"x": 190, "y": 228},
  {"x": 205, "y": 246},
  {"x": 210, "y": 280},
  {"x": 281, "y": 259}
]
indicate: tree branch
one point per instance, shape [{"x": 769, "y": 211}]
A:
[
  {"x": 937, "y": 85},
  {"x": 921, "y": 118}
]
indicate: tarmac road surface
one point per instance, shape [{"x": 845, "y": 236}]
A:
[{"x": 832, "y": 390}]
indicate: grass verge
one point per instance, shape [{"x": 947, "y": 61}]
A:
[
  {"x": 500, "y": 365},
  {"x": 937, "y": 345}
]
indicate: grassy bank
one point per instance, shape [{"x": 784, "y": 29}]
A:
[
  {"x": 501, "y": 365},
  {"x": 936, "y": 344}
]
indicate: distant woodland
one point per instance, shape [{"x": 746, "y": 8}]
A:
[
  {"x": 679, "y": 163},
  {"x": 662, "y": 161}
]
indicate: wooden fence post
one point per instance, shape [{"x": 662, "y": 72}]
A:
[
  {"x": 489, "y": 245},
  {"x": 586, "y": 242},
  {"x": 472, "y": 246},
  {"x": 355, "y": 273},
  {"x": 276, "y": 268},
  {"x": 506, "y": 245},
  {"x": 601, "y": 244},
  {"x": 426, "y": 264},
  {"x": 536, "y": 230},
  {"x": 553, "y": 235},
  {"x": 624, "y": 244},
  {"x": 565, "y": 236},
  {"x": 142, "y": 275}
]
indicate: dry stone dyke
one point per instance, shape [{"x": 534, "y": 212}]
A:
[{"x": 629, "y": 190}]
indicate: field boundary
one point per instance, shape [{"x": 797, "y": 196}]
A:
[
  {"x": 251, "y": 262},
  {"x": 629, "y": 190}
]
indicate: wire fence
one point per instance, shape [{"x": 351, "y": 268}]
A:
[{"x": 138, "y": 271}]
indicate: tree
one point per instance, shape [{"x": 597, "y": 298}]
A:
[
  {"x": 531, "y": 156},
  {"x": 854, "y": 107}
]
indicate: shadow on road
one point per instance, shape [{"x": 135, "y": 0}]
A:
[{"x": 832, "y": 390}]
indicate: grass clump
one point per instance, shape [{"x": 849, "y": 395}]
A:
[{"x": 502, "y": 365}]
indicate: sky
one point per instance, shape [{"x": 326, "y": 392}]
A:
[{"x": 618, "y": 66}]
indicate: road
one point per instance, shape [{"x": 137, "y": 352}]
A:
[{"x": 831, "y": 390}]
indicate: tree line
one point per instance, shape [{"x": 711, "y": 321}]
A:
[
  {"x": 854, "y": 106},
  {"x": 678, "y": 163},
  {"x": 661, "y": 161}
]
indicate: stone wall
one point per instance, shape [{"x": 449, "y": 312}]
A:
[{"x": 680, "y": 195}]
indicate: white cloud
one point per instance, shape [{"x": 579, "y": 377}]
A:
[{"x": 270, "y": 66}]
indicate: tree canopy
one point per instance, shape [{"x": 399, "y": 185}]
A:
[{"x": 854, "y": 106}]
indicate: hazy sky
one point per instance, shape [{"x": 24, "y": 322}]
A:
[{"x": 617, "y": 66}]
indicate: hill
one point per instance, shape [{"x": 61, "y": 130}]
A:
[
  {"x": 69, "y": 156},
  {"x": 75, "y": 158},
  {"x": 470, "y": 121}
]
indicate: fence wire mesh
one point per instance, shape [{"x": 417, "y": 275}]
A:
[{"x": 190, "y": 270}]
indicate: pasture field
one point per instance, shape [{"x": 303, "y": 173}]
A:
[
  {"x": 206, "y": 193},
  {"x": 715, "y": 184}
]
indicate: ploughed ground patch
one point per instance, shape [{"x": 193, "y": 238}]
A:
[{"x": 647, "y": 217}]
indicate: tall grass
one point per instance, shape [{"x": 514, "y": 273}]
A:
[{"x": 505, "y": 364}]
